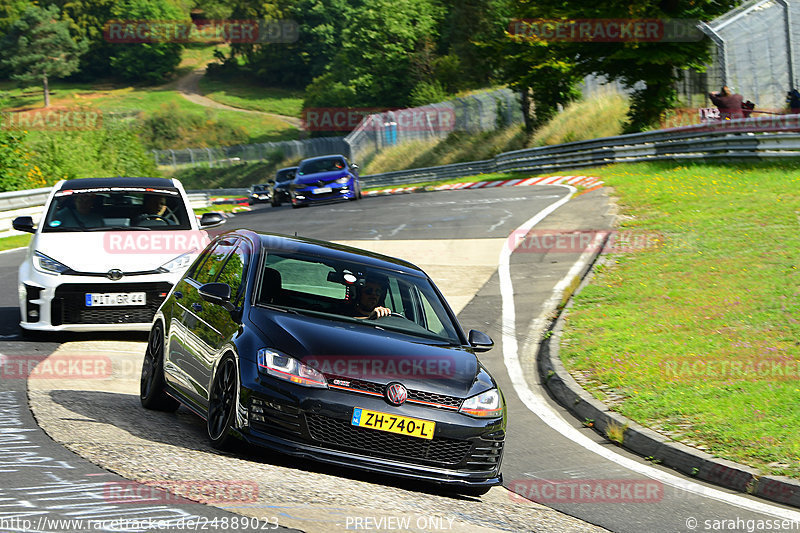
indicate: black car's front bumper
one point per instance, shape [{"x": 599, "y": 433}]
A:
[{"x": 315, "y": 423}]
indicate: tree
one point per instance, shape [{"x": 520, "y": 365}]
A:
[
  {"x": 649, "y": 69},
  {"x": 147, "y": 61},
  {"x": 38, "y": 47}
]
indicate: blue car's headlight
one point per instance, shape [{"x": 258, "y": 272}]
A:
[
  {"x": 282, "y": 366},
  {"x": 343, "y": 180}
]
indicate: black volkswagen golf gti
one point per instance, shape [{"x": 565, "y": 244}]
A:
[{"x": 324, "y": 351}]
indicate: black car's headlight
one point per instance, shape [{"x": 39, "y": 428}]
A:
[
  {"x": 487, "y": 404},
  {"x": 48, "y": 265},
  {"x": 282, "y": 366}
]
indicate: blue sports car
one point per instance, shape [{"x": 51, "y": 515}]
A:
[{"x": 324, "y": 179}]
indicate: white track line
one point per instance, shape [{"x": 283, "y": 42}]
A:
[{"x": 536, "y": 403}]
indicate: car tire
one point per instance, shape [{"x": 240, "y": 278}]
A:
[
  {"x": 152, "y": 384},
  {"x": 275, "y": 203},
  {"x": 222, "y": 401}
]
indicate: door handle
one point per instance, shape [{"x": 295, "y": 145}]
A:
[
  {"x": 178, "y": 295},
  {"x": 197, "y": 307}
]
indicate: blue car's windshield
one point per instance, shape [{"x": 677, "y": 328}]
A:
[{"x": 331, "y": 164}]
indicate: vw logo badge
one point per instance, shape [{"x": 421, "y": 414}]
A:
[
  {"x": 114, "y": 274},
  {"x": 396, "y": 394}
]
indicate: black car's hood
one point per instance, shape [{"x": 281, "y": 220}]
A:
[
  {"x": 359, "y": 351},
  {"x": 321, "y": 176}
]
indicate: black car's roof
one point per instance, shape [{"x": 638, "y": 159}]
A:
[
  {"x": 305, "y": 246},
  {"x": 92, "y": 183},
  {"x": 286, "y": 168}
]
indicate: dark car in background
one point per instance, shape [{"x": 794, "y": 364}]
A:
[
  {"x": 260, "y": 340},
  {"x": 260, "y": 193},
  {"x": 325, "y": 179},
  {"x": 281, "y": 186}
]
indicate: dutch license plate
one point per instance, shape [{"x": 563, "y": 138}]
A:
[
  {"x": 104, "y": 299},
  {"x": 402, "y": 425},
  {"x": 322, "y": 190}
]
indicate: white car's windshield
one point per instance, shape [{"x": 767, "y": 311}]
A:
[{"x": 116, "y": 208}]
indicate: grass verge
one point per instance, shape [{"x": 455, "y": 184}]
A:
[
  {"x": 242, "y": 93},
  {"x": 696, "y": 333},
  {"x": 15, "y": 241}
]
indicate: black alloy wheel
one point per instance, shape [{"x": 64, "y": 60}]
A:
[
  {"x": 151, "y": 384},
  {"x": 222, "y": 404}
]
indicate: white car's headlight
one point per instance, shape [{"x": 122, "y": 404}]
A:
[
  {"x": 48, "y": 265},
  {"x": 485, "y": 405},
  {"x": 179, "y": 263},
  {"x": 288, "y": 368}
]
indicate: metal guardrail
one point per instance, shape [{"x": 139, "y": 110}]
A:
[
  {"x": 762, "y": 137},
  {"x": 758, "y": 137}
]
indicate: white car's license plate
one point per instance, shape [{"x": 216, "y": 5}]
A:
[
  {"x": 100, "y": 299},
  {"x": 322, "y": 190}
]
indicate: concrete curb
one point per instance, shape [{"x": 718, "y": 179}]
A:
[{"x": 646, "y": 442}]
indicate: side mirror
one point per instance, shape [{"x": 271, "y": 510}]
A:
[
  {"x": 354, "y": 166},
  {"x": 24, "y": 224},
  {"x": 480, "y": 341},
  {"x": 218, "y": 294},
  {"x": 211, "y": 220}
]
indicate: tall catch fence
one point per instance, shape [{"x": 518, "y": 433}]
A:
[
  {"x": 755, "y": 52},
  {"x": 475, "y": 113},
  {"x": 229, "y": 155}
]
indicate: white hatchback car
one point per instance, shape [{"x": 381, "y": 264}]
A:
[{"x": 106, "y": 253}]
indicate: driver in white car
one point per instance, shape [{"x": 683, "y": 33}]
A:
[{"x": 155, "y": 209}]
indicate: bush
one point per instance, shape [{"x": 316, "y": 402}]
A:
[
  {"x": 427, "y": 92},
  {"x": 113, "y": 150},
  {"x": 17, "y": 171},
  {"x": 172, "y": 127}
]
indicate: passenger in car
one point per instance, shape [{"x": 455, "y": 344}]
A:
[{"x": 78, "y": 211}]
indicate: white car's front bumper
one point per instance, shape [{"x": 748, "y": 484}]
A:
[{"x": 57, "y": 303}]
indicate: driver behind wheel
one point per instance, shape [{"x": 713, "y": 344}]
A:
[
  {"x": 369, "y": 299},
  {"x": 155, "y": 211}
]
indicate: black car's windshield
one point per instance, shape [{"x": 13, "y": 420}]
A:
[
  {"x": 284, "y": 175},
  {"x": 313, "y": 166},
  {"x": 116, "y": 208},
  {"x": 349, "y": 291}
]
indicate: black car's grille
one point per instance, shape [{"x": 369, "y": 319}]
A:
[
  {"x": 414, "y": 396},
  {"x": 270, "y": 417},
  {"x": 69, "y": 304},
  {"x": 382, "y": 444}
]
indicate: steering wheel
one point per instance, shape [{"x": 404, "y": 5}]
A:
[{"x": 153, "y": 217}]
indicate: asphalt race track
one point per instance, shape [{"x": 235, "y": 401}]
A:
[{"x": 461, "y": 238}]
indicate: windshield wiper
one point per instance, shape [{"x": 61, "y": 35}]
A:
[{"x": 125, "y": 228}]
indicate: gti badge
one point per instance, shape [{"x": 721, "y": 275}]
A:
[
  {"x": 114, "y": 274},
  {"x": 396, "y": 394}
]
